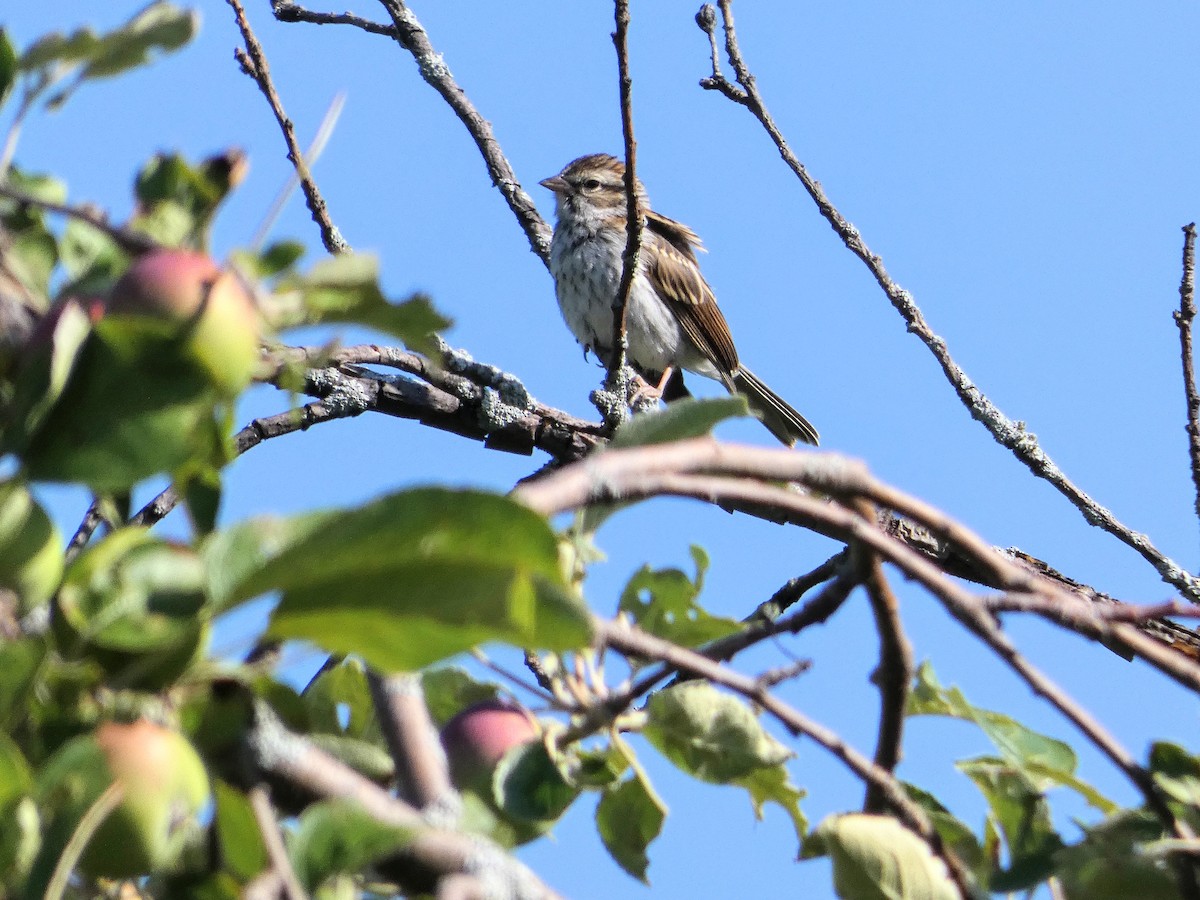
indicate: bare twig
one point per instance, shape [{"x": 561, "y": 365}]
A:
[
  {"x": 268, "y": 826},
  {"x": 795, "y": 588},
  {"x": 894, "y": 673},
  {"x": 92, "y": 520},
  {"x": 1184, "y": 318},
  {"x": 1010, "y": 434},
  {"x": 286, "y": 11},
  {"x": 633, "y": 212},
  {"x": 409, "y": 34},
  {"x": 254, "y": 63},
  {"x": 629, "y": 639},
  {"x": 422, "y": 775}
]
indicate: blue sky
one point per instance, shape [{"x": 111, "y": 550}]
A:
[{"x": 1023, "y": 169}]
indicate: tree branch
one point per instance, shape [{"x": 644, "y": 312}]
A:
[
  {"x": 268, "y": 826},
  {"x": 422, "y": 774},
  {"x": 1013, "y": 435},
  {"x": 409, "y": 34},
  {"x": 254, "y": 63},
  {"x": 631, "y": 640},
  {"x": 1184, "y": 318}
]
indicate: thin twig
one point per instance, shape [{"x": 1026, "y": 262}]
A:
[
  {"x": 254, "y": 63},
  {"x": 1184, "y": 318},
  {"x": 268, "y": 827},
  {"x": 894, "y": 673},
  {"x": 629, "y": 639},
  {"x": 1013, "y": 435},
  {"x": 633, "y": 213},
  {"x": 410, "y": 35},
  {"x": 92, "y": 520},
  {"x": 422, "y": 774}
]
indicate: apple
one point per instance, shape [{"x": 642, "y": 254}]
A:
[
  {"x": 165, "y": 787},
  {"x": 478, "y": 737},
  {"x": 213, "y": 309}
]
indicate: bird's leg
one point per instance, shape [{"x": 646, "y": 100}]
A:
[{"x": 647, "y": 394}]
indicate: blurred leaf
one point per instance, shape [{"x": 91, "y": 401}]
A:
[
  {"x": 369, "y": 760},
  {"x": 1023, "y": 815},
  {"x": 684, "y": 418},
  {"x": 275, "y": 259},
  {"x": 342, "y": 687},
  {"x": 528, "y": 786},
  {"x": 47, "y": 370},
  {"x": 92, "y": 259},
  {"x": 20, "y": 839},
  {"x": 58, "y": 48},
  {"x": 1043, "y": 761},
  {"x": 160, "y": 26},
  {"x": 109, "y": 437},
  {"x": 19, "y": 661},
  {"x": 8, "y": 65},
  {"x": 663, "y": 602},
  {"x": 1109, "y": 863},
  {"x": 136, "y": 604},
  {"x": 240, "y": 838},
  {"x": 449, "y": 690},
  {"x": 201, "y": 492},
  {"x": 421, "y": 575},
  {"x": 337, "y": 836},
  {"x": 233, "y": 555},
  {"x": 877, "y": 858},
  {"x": 31, "y": 550},
  {"x": 590, "y": 769},
  {"x": 177, "y": 200},
  {"x": 15, "y": 776},
  {"x": 345, "y": 289},
  {"x": 1176, "y": 772},
  {"x": 954, "y": 833},
  {"x": 31, "y": 257},
  {"x": 771, "y": 784},
  {"x": 710, "y": 735},
  {"x": 629, "y": 817}
]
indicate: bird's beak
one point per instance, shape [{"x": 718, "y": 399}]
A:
[{"x": 557, "y": 183}]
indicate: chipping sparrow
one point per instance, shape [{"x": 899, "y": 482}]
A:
[{"x": 672, "y": 319}]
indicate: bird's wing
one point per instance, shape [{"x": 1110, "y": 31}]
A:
[{"x": 675, "y": 275}]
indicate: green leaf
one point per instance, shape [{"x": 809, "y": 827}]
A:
[
  {"x": 877, "y": 858},
  {"x": 177, "y": 200},
  {"x": 685, "y": 418},
  {"x": 1176, "y": 772},
  {"x": 337, "y": 836},
  {"x": 16, "y": 779},
  {"x": 8, "y": 66},
  {"x": 240, "y": 838},
  {"x": 136, "y": 604},
  {"x": 418, "y": 576},
  {"x": 771, "y": 784},
  {"x": 629, "y": 817},
  {"x": 341, "y": 688},
  {"x": 449, "y": 690},
  {"x": 663, "y": 602},
  {"x": 31, "y": 257},
  {"x": 31, "y": 560},
  {"x": 19, "y": 661},
  {"x": 276, "y": 259},
  {"x": 20, "y": 839},
  {"x": 160, "y": 26},
  {"x": 1043, "y": 761},
  {"x": 1023, "y": 816},
  {"x": 92, "y": 259},
  {"x": 345, "y": 289},
  {"x": 954, "y": 833},
  {"x": 1110, "y": 862},
  {"x": 710, "y": 735},
  {"x": 527, "y": 785},
  {"x": 369, "y": 760},
  {"x": 234, "y": 555},
  {"x": 599, "y": 768},
  {"x": 58, "y": 48},
  {"x": 109, "y": 437}
]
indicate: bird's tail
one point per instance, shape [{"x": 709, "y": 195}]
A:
[{"x": 776, "y": 413}]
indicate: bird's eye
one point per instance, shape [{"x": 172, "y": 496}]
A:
[{"x": 591, "y": 184}]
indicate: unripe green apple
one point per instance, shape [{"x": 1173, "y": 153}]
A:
[
  {"x": 479, "y": 736},
  {"x": 215, "y": 312},
  {"x": 164, "y": 787}
]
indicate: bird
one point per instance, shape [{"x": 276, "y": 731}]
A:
[{"x": 672, "y": 318}]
